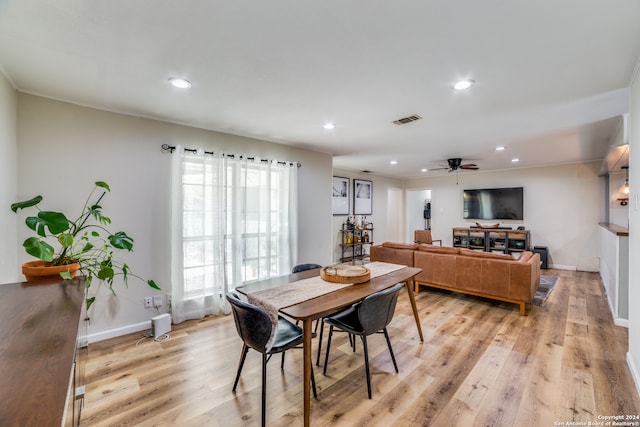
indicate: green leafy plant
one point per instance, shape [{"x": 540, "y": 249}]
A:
[{"x": 85, "y": 240}]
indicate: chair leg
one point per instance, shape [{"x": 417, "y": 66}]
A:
[
  {"x": 264, "y": 389},
  {"x": 320, "y": 341},
  {"x": 366, "y": 363},
  {"x": 386, "y": 335},
  {"x": 282, "y": 361},
  {"x": 243, "y": 356},
  {"x": 326, "y": 355},
  {"x": 313, "y": 384}
]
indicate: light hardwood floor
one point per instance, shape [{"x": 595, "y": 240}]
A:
[{"x": 481, "y": 365}]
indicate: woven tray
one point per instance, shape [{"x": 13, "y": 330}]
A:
[{"x": 345, "y": 274}]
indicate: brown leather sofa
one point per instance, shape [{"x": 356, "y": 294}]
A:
[{"x": 485, "y": 274}]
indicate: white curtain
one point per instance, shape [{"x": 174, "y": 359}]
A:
[{"x": 234, "y": 220}]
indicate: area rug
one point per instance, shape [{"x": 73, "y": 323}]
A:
[{"x": 547, "y": 284}]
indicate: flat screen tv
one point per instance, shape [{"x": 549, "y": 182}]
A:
[{"x": 493, "y": 203}]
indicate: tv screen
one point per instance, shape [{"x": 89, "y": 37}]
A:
[{"x": 493, "y": 203}]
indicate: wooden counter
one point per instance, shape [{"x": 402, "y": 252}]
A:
[
  {"x": 38, "y": 340},
  {"x": 618, "y": 230}
]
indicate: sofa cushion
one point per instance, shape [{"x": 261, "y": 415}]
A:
[
  {"x": 486, "y": 255},
  {"x": 392, "y": 245},
  {"x": 438, "y": 249}
]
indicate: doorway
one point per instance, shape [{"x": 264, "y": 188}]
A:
[{"x": 418, "y": 206}]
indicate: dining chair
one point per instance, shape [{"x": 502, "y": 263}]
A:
[
  {"x": 424, "y": 236},
  {"x": 368, "y": 317},
  {"x": 304, "y": 267},
  {"x": 254, "y": 327},
  {"x": 319, "y": 322}
]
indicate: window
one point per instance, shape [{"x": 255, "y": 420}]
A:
[{"x": 238, "y": 222}]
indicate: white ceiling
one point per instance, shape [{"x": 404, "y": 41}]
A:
[{"x": 552, "y": 76}]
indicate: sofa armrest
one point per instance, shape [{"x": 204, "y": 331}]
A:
[{"x": 392, "y": 253}]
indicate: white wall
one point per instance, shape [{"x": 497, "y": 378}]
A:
[
  {"x": 633, "y": 356},
  {"x": 64, "y": 148},
  {"x": 562, "y": 207},
  {"x": 396, "y": 218},
  {"x": 8, "y": 182},
  {"x": 381, "y": 206}
]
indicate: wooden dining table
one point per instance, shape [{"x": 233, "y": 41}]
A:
[{"x": 320, "y": 306}]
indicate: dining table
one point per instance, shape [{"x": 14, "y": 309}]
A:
[{"x": 306, "y": 297}]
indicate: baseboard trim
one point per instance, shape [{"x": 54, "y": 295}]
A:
[
  {"x": 621, "y": 322},
  {"x": 618, "y": 321},
  {"x": 564, "y": 267},
  {"x": 113, "y": 333},
  {"x": 634, "y": 372}
]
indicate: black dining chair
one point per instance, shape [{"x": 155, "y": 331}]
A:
[
  {"x": 368, "y": 317},
  {"x": 319, "y": 322},
  {"x": 254, "y": 327},
  {"x": 304, "y": 267}
]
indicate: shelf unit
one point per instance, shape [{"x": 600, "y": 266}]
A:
[
  {"x": 353, "y": 243},
  {"x": 494, "y": 239}
]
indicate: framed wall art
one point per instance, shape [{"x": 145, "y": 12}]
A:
[
  {"x": 362, "y": 197},
  {"x": 340, "y": 195}
]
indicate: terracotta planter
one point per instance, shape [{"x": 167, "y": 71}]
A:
[{"x": 36, "y": 270}]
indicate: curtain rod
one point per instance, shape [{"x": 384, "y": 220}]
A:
[{"x": 171, "y": 149}]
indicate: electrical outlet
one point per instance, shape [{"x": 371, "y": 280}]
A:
[
  {"x": 148, "y": 302},
  {"x": 157, "y": 300}
]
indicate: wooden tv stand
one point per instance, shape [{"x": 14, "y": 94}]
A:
[{"x": 492, "y": 239}]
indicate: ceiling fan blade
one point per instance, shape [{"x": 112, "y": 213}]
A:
[
  {"x": 469, "y": 166},
  {"x": 438, "y": 169}
]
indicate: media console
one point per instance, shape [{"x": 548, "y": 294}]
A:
[{"x": 492, "y": 239}]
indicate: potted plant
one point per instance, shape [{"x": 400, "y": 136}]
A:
[{"x": 86, "y": 245}]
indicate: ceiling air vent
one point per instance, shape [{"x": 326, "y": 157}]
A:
[{"x": 406, "y": 120}]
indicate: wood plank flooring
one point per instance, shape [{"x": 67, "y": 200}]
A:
[{"x": 482, "y": 364}]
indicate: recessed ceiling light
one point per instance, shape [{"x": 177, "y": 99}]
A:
[
  {"x": 500, "y": 148},
  {"x": 463, "y": 84},
  {"x": 329, "y": 126},
  {"x": 424, "y": 170},
  {"x": 515, "y": 160},
  {"x": 393, "y": 162},
  {"x": 180, "y": 83}
]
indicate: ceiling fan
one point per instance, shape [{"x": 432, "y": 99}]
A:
[{"x": 456, "y": 163}]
